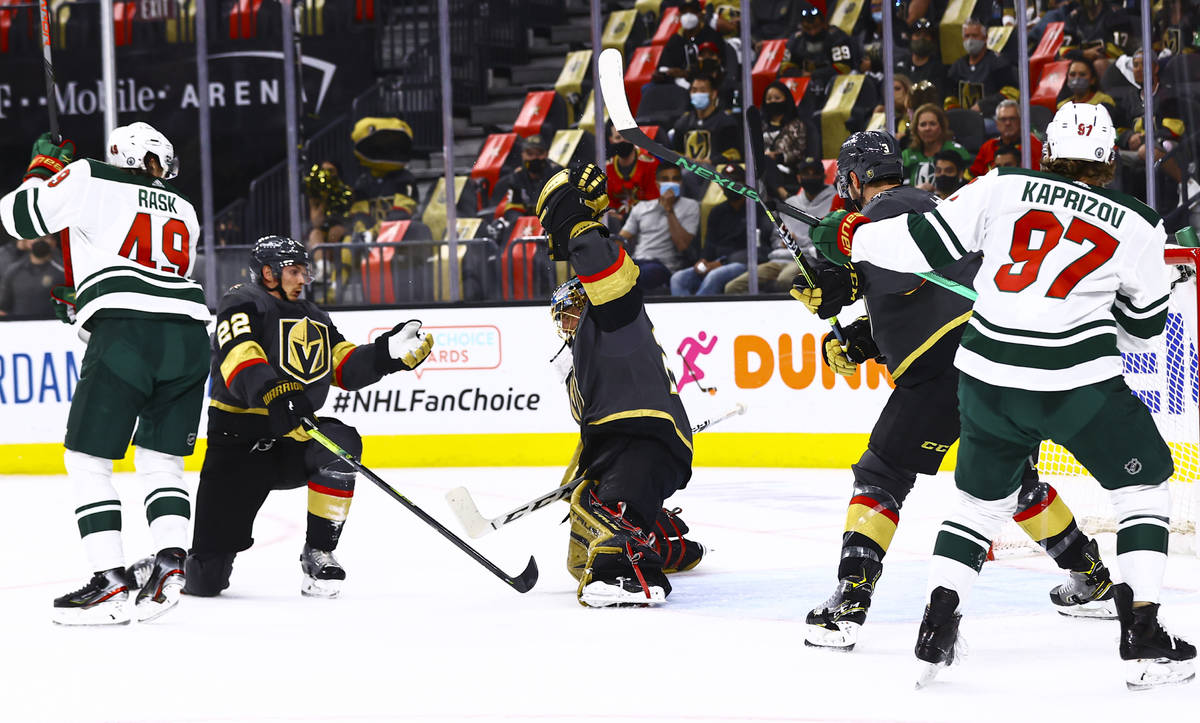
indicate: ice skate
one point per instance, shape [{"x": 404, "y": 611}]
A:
[
  {"x": 617, "y": 562},
  {"x": 1153, "y": 657},
  {"x": 1088, "y": 592},
  {"x": 104, "y": 600},
  {"x": 835, "y": 623},
  {"x": 323, "y": 574},
  {"x": 161, "y": 583},
  {"x": 937, "y": 640},
  {"x": 679, "y": 554},
  {"x": 620, "y": 592}
]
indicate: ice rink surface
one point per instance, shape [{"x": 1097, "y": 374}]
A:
[{"x": 422, "y": 633}]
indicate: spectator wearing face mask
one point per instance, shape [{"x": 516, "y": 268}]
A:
[
  {"x": 661, "y": 231},
  {"x": 1006, "y": 157},
  {"x": 706, "y": 133},
  {"x": 525, "y": 182},
  {"x": 723, "y": 256},
  {"x": 25, "y": 286},
  {"x": 923, "y": 62},
  {"x": 681, "y": 54},
  {"x": 1008, "y": 123},
  {"x": 779, "y": 270},
  {"x": 630, "y": 176},
  {"x": 1082, "y": 87},
  {"x": 821, "y": 50},
  {"x": 948, "y": 168},
  {"x": 1099, "y": 32},
  {"x": 980, "y": 79},
  {"x": 785, "y": 139}
]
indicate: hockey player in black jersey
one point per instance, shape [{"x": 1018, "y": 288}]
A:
[
  {"x": 636, "y": 443},
  {"x": 914, "y": 327},
  {"x": 274, "y": 357}
]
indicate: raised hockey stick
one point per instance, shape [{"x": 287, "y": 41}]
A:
[
  {"x": 51, "y": 96},
  {"x": 477, "y": 525},
  {"x": 521, "y": 583},
  {"x": 612, "y": 84}
]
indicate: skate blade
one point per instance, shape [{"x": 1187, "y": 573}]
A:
[
  {"x": 108, "y": 613},
  {"x": 927, "y": 672},
  {"x": 312, "y": 587},
  {"x": 1096, "y": 610},
  {"x": 843, "y": 639},
  {"x": 152, "y": 608},
  {"x": 603, "y": 595},
  {"x": 1147, "y": 673}
]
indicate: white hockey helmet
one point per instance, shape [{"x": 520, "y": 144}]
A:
[
  {"x": 1081, "y": 131},
  {"x": 128, "y": 146}
]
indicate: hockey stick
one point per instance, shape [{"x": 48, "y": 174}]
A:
[
  {"x": 521, "y": 583},
  {"x": 612, "y": 85},
  {"x": 51, "y": 97},
  {"x": 477, "y": 525}
]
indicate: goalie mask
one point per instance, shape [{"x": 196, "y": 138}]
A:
[
  {"x": 566, "y": 306},
  {"x": 128, "y": 146},
  {"x": 1083, "y": 132}
]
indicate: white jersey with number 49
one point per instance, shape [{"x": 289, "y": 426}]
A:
[
  {"x": 129, "y": 241},
  {"x": 1071, "y": 274}
]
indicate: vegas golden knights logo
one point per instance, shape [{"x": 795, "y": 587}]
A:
[
  {"x": 699, "y": 145},
  {"x": 969, "y": 93},
  {"x": 304, "y": 349}
]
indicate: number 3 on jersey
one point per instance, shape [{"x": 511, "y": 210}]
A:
[
  {"x": 1013, "y": 279},
  {"x": 173, "y": 241}
]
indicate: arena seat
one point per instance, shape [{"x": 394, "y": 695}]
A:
[
  {"x": 639, "y": 71},
  {"x": 668, "y": 25}
]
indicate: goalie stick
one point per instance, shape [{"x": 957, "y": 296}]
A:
[
  {"x": 612, "y": 84},
  {"x": 477, "y": 525},
  {"x": 521, "y": 583}
]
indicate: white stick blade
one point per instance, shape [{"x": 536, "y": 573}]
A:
[
  {"x": 612, "y": 85},
  {"x": 467, "y": 513}
]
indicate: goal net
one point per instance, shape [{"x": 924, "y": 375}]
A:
[{"x": 1166, "y": 380}]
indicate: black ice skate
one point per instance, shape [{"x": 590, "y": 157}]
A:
[
  {"x": 679, "y": 554},
  {"x": 323, "y": 574},
  {"x": 622, "y": 567},
  {"x": 835, "y": 623},
  {"x": 1088, "y": 592},
  {"x": 937, "y": 641},
  {"x": 103, "y": 601},
  {"x": 160, "y": 581},
  {"x": 1152, "y": 656}
]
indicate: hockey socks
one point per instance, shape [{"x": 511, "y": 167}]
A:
[{"x": 97, "y": 509}]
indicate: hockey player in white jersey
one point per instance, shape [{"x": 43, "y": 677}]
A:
[
  {"x": 1072, "y": 275},
  {"x": 129, "y": 245}
]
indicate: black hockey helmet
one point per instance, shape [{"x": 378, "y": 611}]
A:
[
  {"x": 870, "y": 156},
  {"x": 276, "y": 252}
]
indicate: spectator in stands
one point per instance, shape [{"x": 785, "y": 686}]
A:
[
  {"x": 774, "y": 19},
  {"x": 923, "y": 61},
  {"x": 383, "y": 146},
  {"x": 25, "y": 286},
  {"x": 1008, "y": 122},
  {"x": 785, "y": 139},
  {"x": 1082, "y": 86},
  {"x": 901, "y": 92},
  {"x": 1006, "y": 157},
  {"x": 948, "y": 169},
  {"x": 822, "y": 51},
  {"x": 525, "y": 182},
  {"x": 780, "y": 269},
  {"x": 706, "y": 133},
  {"x": 727, "y": 20},
  {"x": 11, "y": 251},
  {"x": 729, "y": 85},
  {"x": 1098, "y": 32},
  {"x": 931, "y": 134},
  {"x": 681, "y": 55},
  {"x": 723, "y": 255},
  {"x": 661, "y": 231},
  {"x": 1056, "y": 11},
  {"x": 1177, "y": 26},
  {"x": 329, "y": 200},
  {"x": 980, "y": 79},
  {"x": 630, "y": 176}
]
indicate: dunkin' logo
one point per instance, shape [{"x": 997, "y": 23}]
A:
[{"x": 757, "y": 360}]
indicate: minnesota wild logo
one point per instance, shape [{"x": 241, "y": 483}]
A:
[{"x": 304, "y": 349}]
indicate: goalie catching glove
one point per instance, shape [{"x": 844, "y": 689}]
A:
[
  {"x": 403, "y": 348},
  {"x": 571, "y": 203},
  {"x": 835, "y": 287},
  {"x": 48, "y": 157},
  {"x": 859, "y": 347},
  {"x": 834, "y": 236}
]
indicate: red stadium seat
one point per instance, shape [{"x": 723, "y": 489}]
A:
[
  {"x": 797, "y": 84},
  {"x": 1046, "y": 50},
  {"x": 668, "y": 26},
  {"x": 766, "y": 68},
  {"x": 492, "y": 157},
  {"x": 123, "y": 22},
  {"x": 524, "y": 261},
  {"x": 534, "y": 112},
  {"x": 1053, "y": 76},
  {"x": 364, "y": 10},
  {"x": 641, "y": 66},
  {"x": 830, "y": 170},
  {"x": 243, "y": 19},
  {"x": 378, "y": 277}
]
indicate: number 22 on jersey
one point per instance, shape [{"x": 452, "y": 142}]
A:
[
  {"x": 172, "y": 240},
  {"x": 1029, "y": 259}
]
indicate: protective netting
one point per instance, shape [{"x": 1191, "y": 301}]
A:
[{"x": 1166, "y": 380}]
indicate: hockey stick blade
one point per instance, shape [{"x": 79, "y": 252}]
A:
[
  {"x": 476, "y": 525},
  {"x": 521, "y": 583}
]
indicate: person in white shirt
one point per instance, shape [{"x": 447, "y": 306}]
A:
[{"x": 660, "y": 231}]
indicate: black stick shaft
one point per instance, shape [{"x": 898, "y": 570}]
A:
[
  {"x": 51, "y": 95},
  {"x": 522, "y": 583}
]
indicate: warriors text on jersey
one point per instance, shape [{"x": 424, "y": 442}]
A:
[
  {"x": 1069, "y": 272},
  {"x": 135, "y": 258},
  {"x": 260, "y": 338}
]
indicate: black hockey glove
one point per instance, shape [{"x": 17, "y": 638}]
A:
[
  {"x": 859, "y": 347},
  {"x": 287, "y": 407},
  {"x": 570, "y": 203},
  {"x": 836, "y": 286}
]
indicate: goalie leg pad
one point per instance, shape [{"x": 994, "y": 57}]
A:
[
  {"x": 678, "y": 553},
  {"x": 620, "y": 566}
]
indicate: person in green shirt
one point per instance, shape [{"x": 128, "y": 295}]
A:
[{"x": 930, "y": 133}]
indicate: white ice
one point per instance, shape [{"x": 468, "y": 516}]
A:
[{"x": 423, "y": 633}]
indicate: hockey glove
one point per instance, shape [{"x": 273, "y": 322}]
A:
[
  {"x": 48, "y": 157},
  {"x": 569, "y": 204},
  {"x": 836, "y": 287},
  {"x": 859, "y": 348},
  {"x": 64, "y": 303},
  {"x": 403, "y": 348},
  {"x": 287, "y": 408},
  {"x": 834, "y": 236}
]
